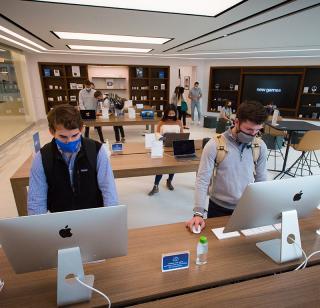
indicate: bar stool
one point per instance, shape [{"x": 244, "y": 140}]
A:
[
  {"x": 308, "y": 144},
  {"x": 274, "y": 140}
]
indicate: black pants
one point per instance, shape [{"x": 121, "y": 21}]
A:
[
  {"x": 215, "y": 210},
  {"x": 182, "y": 114},
  {"x": 159, "y": 177},
  {"x": 117, "y": 131},
  {"x": 99, "y": 130}
]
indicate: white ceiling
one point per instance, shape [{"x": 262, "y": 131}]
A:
[{"x": 293, "y": 35}]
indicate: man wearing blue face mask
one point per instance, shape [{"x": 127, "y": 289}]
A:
[
  {"x": 70, "y": 172},
  {"x": 242, "y": 164}
]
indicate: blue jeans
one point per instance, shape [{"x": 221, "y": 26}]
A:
[
  {"x": 195, "y": 105},
  {"x": 159, "y": 177}
]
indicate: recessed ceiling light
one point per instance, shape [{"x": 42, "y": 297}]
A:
[
  {"x": 111, "y": 38},
  {"x": 17, "y": 43},
  {"x": 105, "y": 48},
  {"x": 20, "y": 37},
  {"x": 199, "y": 7}
]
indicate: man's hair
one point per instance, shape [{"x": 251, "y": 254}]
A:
[
  {"x": 196, "y": 83},
  {"x": 252, "y": 111},
  {"x": 87, "y": 83},
  {"x": 65, "y": 115},
  {"x": 97, "y": 94}
]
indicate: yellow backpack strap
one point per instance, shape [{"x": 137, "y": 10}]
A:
[
  {"x": 222, "y": 151},
  {"x": 256, "y": 146}
]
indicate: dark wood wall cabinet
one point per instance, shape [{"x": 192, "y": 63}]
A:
[
  {"x": 149, "y": 85},
  {"x": 301, "y": 84},
  {"x": 61, "y": 83}
]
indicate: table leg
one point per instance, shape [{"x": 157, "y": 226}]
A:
[
  {"x": 20, "y": 194},
  {"x": 285, "y": 156}
]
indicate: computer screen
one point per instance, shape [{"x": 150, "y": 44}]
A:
[
  {"x": 31, "y": 243},
  {"x": 282, "y": 90},
  {"x": 183, "y": 147},
  {"x": 117, "y": 147},
  {"x": 271, "y": 202},
  {"x": 262, "y": 203}
]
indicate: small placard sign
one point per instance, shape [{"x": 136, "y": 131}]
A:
[
  {"x": 175, "y": 261},
  {"x": 36, "y": 142}
]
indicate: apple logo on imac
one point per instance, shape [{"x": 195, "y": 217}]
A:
[
  {"x": 66, "y": 232},
  {"x": 298, "y": 196}
]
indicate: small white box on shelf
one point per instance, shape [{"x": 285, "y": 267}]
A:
[
  {"x": 305, "y": 89},
  {"x": 73, "y": 98},
  {"x": 109, "y": 83},
  {"x": 79, "y": 86},
  {"x": 56, "y": 73},
  {"x": 73, "y": 86},
  {"x": 75, "y": 71}
]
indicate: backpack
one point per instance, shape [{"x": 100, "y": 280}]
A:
[
  {"x": 222, "y": 150},
  {"x": 184, "y": 106}
]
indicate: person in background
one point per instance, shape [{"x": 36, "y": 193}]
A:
[
  {"x": 70, "y": 172},
  {"x": 270, "y": 108},
  {"x": 195, "y": 94},
  {"x": 226, "y": 110},
  {"x": 88, "y": 101},
  {"x": 115, "y": 106},
  {"x": 169, "y": 119},
  {"x": 225, "y": 120},
  {"x": 236, "y": 170},
  {"x": 178, "y": 100}
]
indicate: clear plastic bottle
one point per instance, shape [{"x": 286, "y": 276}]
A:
[{"x": 202, "y": 251}]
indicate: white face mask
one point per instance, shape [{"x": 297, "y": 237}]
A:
[{"x": 88, "y": 89}]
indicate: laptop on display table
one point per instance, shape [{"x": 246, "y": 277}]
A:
[
  {"x": 184, "y": 149},
  {"x": 168, "y": 138},
  {"x": 88, "y": 114},
  {"x": 147, "y": 114}
]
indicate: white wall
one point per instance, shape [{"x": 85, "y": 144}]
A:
[
  {"x": 110, "y": 71},
  {"x": 33, "y": 59}
]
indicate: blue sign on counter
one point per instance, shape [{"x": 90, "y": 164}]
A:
[{"x": 175, "y": 261}]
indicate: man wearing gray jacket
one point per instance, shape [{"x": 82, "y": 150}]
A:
[{"x": 237, "y": 169}]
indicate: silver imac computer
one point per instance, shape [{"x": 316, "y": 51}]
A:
[
  {"x": 65, "y": 240},
  {"x": 271, "y": 202}
]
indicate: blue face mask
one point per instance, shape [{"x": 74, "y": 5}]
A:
[{"x": 69, "y": 147}]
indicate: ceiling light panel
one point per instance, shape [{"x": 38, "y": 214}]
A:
[
  {"x": 199, "y": 7},
  {"x": 17, "y": 43},
  {"x": 20, "y": 37},
  {"x": 111, "y": 38},
  {"x": 105, "y": 48}
]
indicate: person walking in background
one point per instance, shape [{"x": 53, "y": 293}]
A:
[
  {"x": 195, "y": 94},
  {"x": 168, "y": 123},
  {"x": 88, "y": 101},
  {"x": 179, "y": 101}
]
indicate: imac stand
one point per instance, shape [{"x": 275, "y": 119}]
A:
[
  {"x": 284, "y": 249},
  {"x": 69, "y": 290}
]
